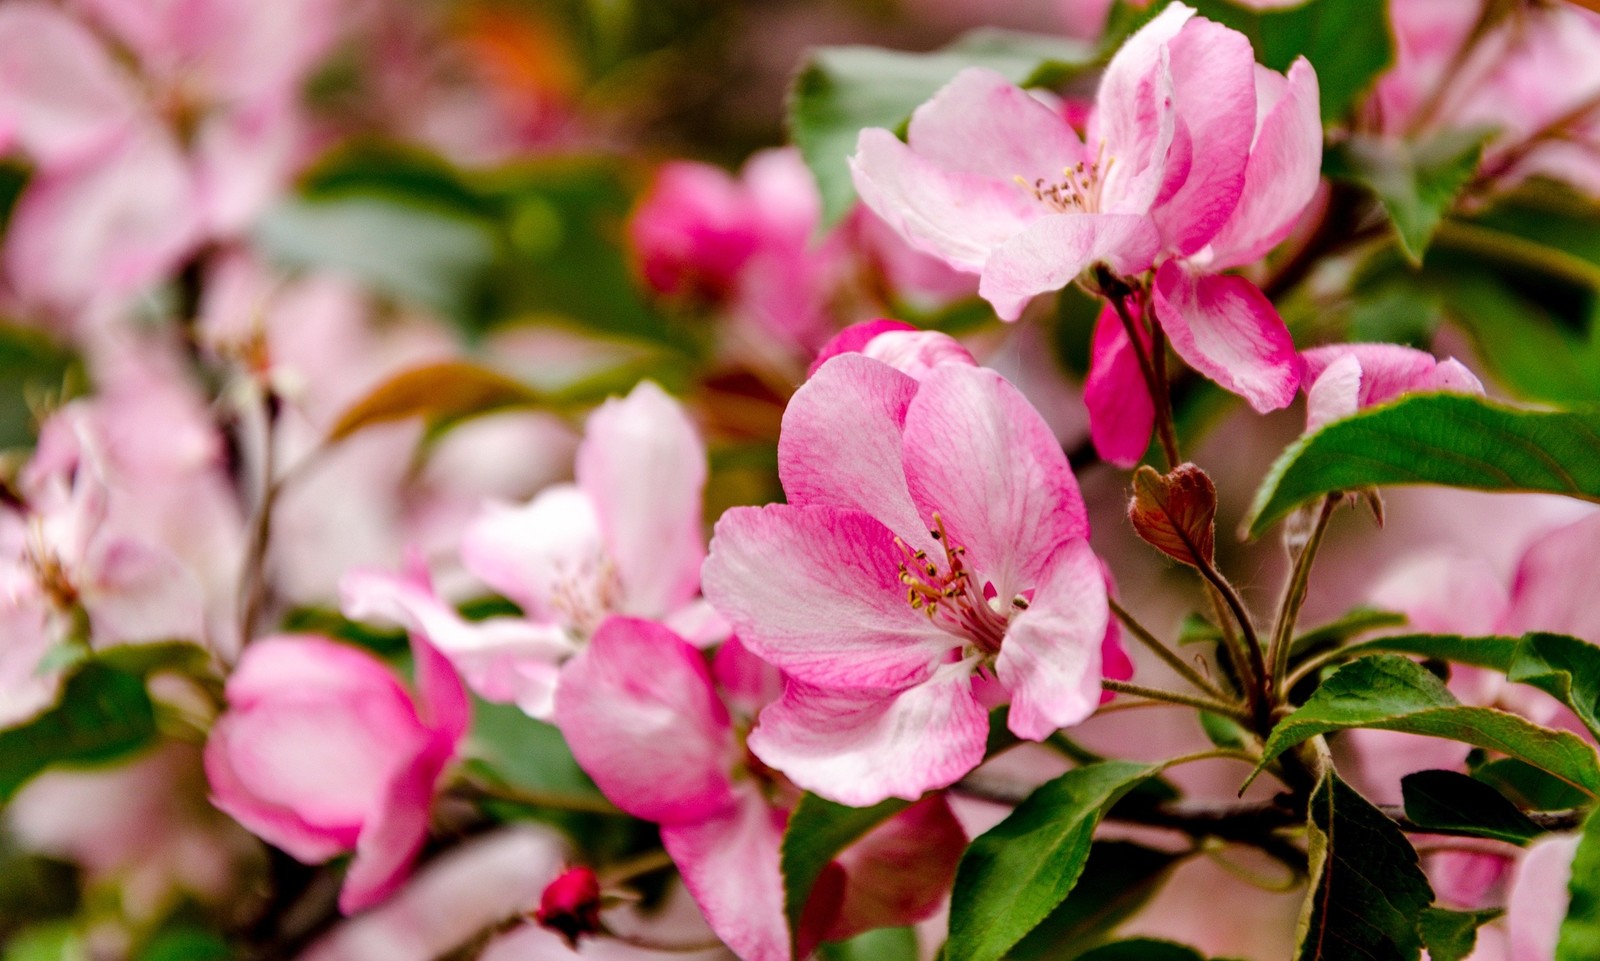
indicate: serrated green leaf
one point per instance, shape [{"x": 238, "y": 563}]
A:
[
  {"x": 1392, "y": 693},
  {"x": 841, "y": 91},
  {"x": 1580, "y": 929},
  {"x": 1417, "y": 182},
  {"x": 1447, "y": 439},
  {"x": 818, "y": 830},
  {"x": 103, "y": 714},
  {"x": 1118, "y": 879},
  {"x": 1367, "y": 891},
  {"x": 1015, "y": 874},
  {"x": 1451, "y": 935},
  {"x": 1347, "y": 41},
  {"x": 1452, "y": 801}
]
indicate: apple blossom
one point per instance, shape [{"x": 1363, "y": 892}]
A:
[
  {"x": 323, "y": 751},
  {"x": 932, "y": 553},
  {"x": 660, "y": 732},
  {"x": 1342, "y": 378}
]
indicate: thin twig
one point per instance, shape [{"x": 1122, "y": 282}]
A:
[
  {"x": 1177, "y": 697},
  {"x": 534, "y": 798},
  {"x": 1167, "y": 655},
  {"x": 1294, "y": 594}
]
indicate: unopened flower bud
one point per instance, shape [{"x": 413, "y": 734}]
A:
[{"x": 570, "y": 905}]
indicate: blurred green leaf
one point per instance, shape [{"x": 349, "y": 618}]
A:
[
  {"x": 1118, "y": 879},
  {"x": 33, "y": 368},
  {"x": 103, "y": 714},
  {"x": 33, "y": 888},
  {"x": 1392, "y": 693},
  {"x": 1417, "y": 182},
  {"x": 883, "y": 944},
  {"x": 1455, "y": 801},
  {"x": 818, "y": 830},
  {"x": 1451, "y": 935},
  {"x": 51, "y": 942},
  {"x": 1447, "y": 439},
  {"x": 1580, "y": 929},
  {"x": 1016, "y": 873},
  {"x": 1367, "y": 891},
  {"x": 1347, "y": 41},
  {"x": 841, "y": 91}
]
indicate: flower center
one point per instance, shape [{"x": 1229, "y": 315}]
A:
[
  {"x": 585, "y": 596},
  {"x": 1077, "y": 192},
  {"x": 952, "y": 595}
]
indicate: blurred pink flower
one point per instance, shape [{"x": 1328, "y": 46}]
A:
[
  {"x": 323, "y": 751},
  {"x": 1539, "y": 898},
  {"x": 1343, "y": 378},
  {"x": 644, "y": 717},
  {"x": 932, "y": 556}
]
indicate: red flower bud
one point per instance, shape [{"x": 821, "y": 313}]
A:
[{"x": 570, "y": 905}]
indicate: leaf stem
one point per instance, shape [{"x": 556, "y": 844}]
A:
[
  {"x": 1177, "y": 697},
  {"x": 1258, "y": 685},
  {"x": 1294, "y": 595},
  {"x": 1167, "y": 655},
  {"x": 534, "y": 798}
]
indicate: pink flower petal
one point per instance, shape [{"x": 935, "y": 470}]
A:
[
  {"x": 916, "y": 353},
  {"x": 1050, "y": 660},
  {"x": 1539, "y": 897},
  {"x": 901, "y": 871},
  {"x": 1051, "y": 252},
  {"x": 980, "y": 456},
  {"x": 1556, "y": 583},
  {"x": 747, "y": 683},
  {"x": 394, "y": 834},
  {"x": 639, "y": 712},
  {"x": 854, "y": 339},
  {"x": 1121, "y": 415},
  {"x": 860, "y": 747},
  {"x": 1135, "y": 116},
  {"x": 652, "y": 531},
  {"x": 533, "y": 552},
  {"x": 959, "y": 217},
  {"x": 982, "y": 123},
  {"x": 1225, "y": 328},
  {"x": 823, "y": 464},
  {"x": 817, "y": 592},
  {"x": 1284, "y": 169},
  {"x": 61, "y": 95},
  {"x": 730, "y": 864},
  {"x": 1347, "y": 377}
]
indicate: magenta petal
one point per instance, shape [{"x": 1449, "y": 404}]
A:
[
  {"x": 978, "y": 455},
  {"x": 652, "y": 530},
  {"x": 1213, "y": 71},
  {"x": 730, "y": 864},
  {"x": 1121, "y": 415},
  {"x": 900, "y": 872},
  {"x": 982, "y": 123},
  {"x": 1052, "y": 251},
  {"x": 393, "y": 836},
  {"x": 854, "y": 339},
  {"x": 860, "y": 747},
  {"x": 1227, "y": 329},
  {"x": 639, "y": 712},
  {"x": 1051, "y": 658},
  {"x": 817, "y": 592},
  {"x": 859, "y": 467},
  {"x": 956, "y": 216},
  {"x": 1284, "y": 169}
]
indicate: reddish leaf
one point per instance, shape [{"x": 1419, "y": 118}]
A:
[{"x": 1176, "y": 512}]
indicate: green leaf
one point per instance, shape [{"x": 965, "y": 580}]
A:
[
  {"x": 1528, "y": 786},
  {"x": 882, "y": 944},
  {"x": 1347, "y": 41},
  {"x": 841, "y": 91},
  {"x": 1451, "y": 801},
  {"x": 1118, "y": 879},
  {"x": 1448, "y": 439},
  {"x": 33, "y": 367},
  {"x": 1368, "y": 891},
  {"x": 103, "y": 714},
  {"x": 1356, "y": 621},
  {"x": 1017, "y": 872},
  {"x": 1417, "y": 182},
  {"x": 1142, "y": 949},
  {"x": 1392, "y": 693},
  {"x": 818, "y": 830},
  {"x": 1580, "y": 930},
  {"x": 1451, "y": 935}
]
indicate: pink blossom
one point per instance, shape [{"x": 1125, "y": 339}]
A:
[
  {"x": 1344, "y": 378},
  {"x": 574, "y": 554},
  {"x": 1539, "y": 898},
  {"x": 643, "y": 715},
  {"x": 323, "y": 751},
  {"x": 933, "y": 540},
  {"x": 900, "y": 345}
]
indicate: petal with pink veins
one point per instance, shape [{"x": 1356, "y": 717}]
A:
[
  {"x": 1121, "y": 415},
  {"x": 638, "y": 709},
  {"x": 978, "y": 455},
  {"x": 959, "y": 217},
  {"x": 817, "y": 592},
  {"x": 1051, "y": 252},
  {"x": 652, "y": 531},
  {"x": 1050, "y": 660},
  {"x": 1226, "y": 328},
  {"x": 860, "y": 747},
  {"x": 982, "y": 123},
  {"x": 1136, "y": 119},
  {"x": 730, "y": 864}
]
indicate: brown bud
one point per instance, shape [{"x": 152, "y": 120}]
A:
[{"x": 1176, "y": 512}]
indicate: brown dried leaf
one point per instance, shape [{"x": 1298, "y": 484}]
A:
[
  {"x": 438, "y": 391},
  {"x": 1176, "y": 512}
]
